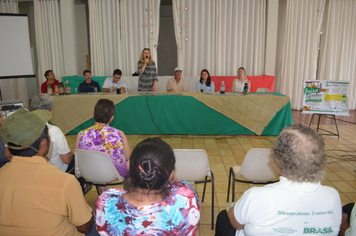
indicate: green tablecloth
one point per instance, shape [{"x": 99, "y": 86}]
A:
[{"x": 177, "y": 114}]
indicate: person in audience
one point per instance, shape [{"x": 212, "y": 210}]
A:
[
  {"x": 103, "y": 138},
  {"x": 37, "y": 198},
  {"x": 205, "y": 84},
  {"x": 5, "y": 155},
  {"x": 238, "y": 84},
  {"x": 348, "y": 223},
  {"x": 297, "y": 204},
  {"x": 146, "y": 69},
  {"x": 61, "y": 155},
  {"x": 111, "y": 84},
  {"x": 151, "y": 203},
  {"x": 88, "y": 85},
  {"x": 50, "y": 79},
  {"x": 177, "y": 83}
]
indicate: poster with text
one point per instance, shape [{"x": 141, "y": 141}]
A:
[{"x": 326, "y": 97}]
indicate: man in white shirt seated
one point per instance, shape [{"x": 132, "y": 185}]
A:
[
  {"x": 296, "y": 205},
  {"x": 111, "y": 84},
  {"x": 177, "y": 83},
  {"x": 60, "y": 155}
]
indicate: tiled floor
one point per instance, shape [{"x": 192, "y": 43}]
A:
[{"x": 227, "y": 151}]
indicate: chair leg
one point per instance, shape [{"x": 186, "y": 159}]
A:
[
  {"x": 233, "y": 186},
  {"x": 206, "y": 178},
  {"x": 212, "y": 201},
  {"x": 228, "y": 187},
  {"x": 97, "y": 190}
]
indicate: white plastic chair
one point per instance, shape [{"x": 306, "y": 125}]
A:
[
  {"x": 192, "y": 165},
  {"x": 257, "y": 168},
  {"x": 96, "y": 167},
  {"x": 263, "y": 90}
]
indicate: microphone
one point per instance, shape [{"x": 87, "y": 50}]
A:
[{"x": 147, "y": 57}]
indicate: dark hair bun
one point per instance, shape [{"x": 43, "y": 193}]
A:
[{"x": 147, "y": 169}]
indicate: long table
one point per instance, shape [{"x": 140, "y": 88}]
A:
[
  {"x": 184, "y": 113},
  {"x": 262, "y": 81}
]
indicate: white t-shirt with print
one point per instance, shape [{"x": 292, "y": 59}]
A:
[{"x": 289, "y": 208}]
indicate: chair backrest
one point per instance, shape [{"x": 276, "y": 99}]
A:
[
  {"x": 95, "y": 167},
  {"x": 263, "y": 90},
  {"x": 258, "y": 166},
  {"x": 191, "y": 164}
]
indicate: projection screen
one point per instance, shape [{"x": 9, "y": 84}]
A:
[{"x": 15, "y": 50}]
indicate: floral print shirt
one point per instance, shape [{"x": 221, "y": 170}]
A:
[
  {"x": 176, "y": 214},
  {"x": 104, "y": 138}
]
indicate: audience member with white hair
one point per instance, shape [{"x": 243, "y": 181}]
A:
[
  {"x": 61, "y": 155},
  {"x": 297, "y": 204}
]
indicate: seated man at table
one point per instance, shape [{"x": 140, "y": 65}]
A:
[
  {"x": 177, "y": 83},
  {"x": 50, "y": 79},
  {"x": 88, "y": 85},
  {"x": 298, "y": 204},
  {"x": 111, "y": 84},
  {"x": 37, "y": 198}
]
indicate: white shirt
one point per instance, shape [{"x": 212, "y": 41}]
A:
[
  {"x": 60, "y": 147},
  {"x": 109, "y": 83},
  {"x": 289, "y": 208}
]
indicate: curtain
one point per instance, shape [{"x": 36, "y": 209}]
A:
[
  {"x": 139, "y": 29},
  {"x": 299, "y": 52},
  {"x": 9, "y": 6},
  {"x": 105, "y": 43},
  {"x": 240, "y": 36},
  {"x": 338, "y": 46},
  {"x": 220, "y": 35},
  {"x": 12, "y": 89},
  {"x": 48, "y": 38},
  {"x": 194, "y": 27}
]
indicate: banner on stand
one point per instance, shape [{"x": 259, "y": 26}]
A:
[{"x": 326, "y": 97}]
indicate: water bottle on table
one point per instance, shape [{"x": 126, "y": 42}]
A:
[
  {"x": 246, "y": 88},
  {"x": 222, "y": 88}
]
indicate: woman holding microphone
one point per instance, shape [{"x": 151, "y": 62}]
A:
[{"x": 146, "y": 69}]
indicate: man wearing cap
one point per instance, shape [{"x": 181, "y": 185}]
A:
[
  {"x": 37, "y": 198},
  {"x": 177, "y": 83}
]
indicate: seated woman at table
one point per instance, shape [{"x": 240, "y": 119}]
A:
[
  {"x": 239, "y": 83},
  {"x": 151, "y": 203},
  {"x": 103, "y": 138},
  {"x": 205, "y": 84}
]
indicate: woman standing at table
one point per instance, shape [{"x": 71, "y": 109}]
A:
[
  {"x": 239, "y": 83},
  {"x": 205, "y": 84},
  {"x": 146, "y": 69}
]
